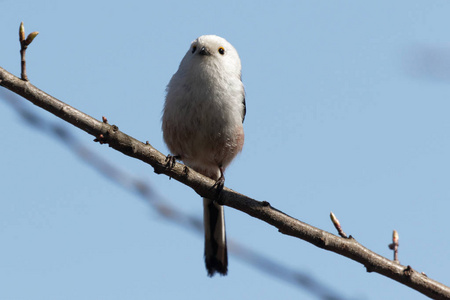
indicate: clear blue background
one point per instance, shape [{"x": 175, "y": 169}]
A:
[{"x": 347, "y": 111}]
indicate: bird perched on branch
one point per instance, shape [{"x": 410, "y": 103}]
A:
[{"x": 202, "y": 126}]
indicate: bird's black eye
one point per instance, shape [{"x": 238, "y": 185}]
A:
[
  {"x": 194, "y": 48},
  {"x": 221, "y": 50}
]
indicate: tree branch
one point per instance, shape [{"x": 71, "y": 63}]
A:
[{"x": 128, "y": 145}]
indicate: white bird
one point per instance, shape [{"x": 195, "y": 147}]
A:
[{"x": 202, "y": 126}]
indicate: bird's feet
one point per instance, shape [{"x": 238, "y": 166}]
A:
[
  {"x": 220, "y": 183},
  {"x": 171, "y": 160}
]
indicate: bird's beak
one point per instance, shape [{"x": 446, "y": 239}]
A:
[{"x": 204, "y": 51}]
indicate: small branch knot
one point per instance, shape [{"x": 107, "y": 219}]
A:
[
  {"x": 265, "y": 204},
  {"x": 408, "y": 272},
  {"x": 100, "y": 139}
]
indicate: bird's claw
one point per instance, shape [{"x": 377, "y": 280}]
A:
[
  {"x": 220, "y": 183},
  {"x": 171, "y": 160}
]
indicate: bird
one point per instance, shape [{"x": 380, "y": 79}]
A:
[{"x": 202, "y": 126}]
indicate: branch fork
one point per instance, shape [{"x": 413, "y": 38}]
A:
[{"x": 24, "y": 43}]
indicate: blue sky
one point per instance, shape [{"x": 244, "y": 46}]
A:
[{"x": 347, "y": 111}]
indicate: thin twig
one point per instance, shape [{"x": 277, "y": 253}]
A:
[
  {"x": 24, "y": 43},
  {"x": 394, "y": 245},
  {"x": 23, "y": 49},
  {"x": 203, "y": 186},
  {"x": 337, "y": 225}
]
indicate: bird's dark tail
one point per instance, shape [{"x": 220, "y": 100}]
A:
[{"x": 216, "y": 256}]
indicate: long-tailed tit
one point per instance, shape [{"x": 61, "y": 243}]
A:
[{"x": 202, "y": 126}]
